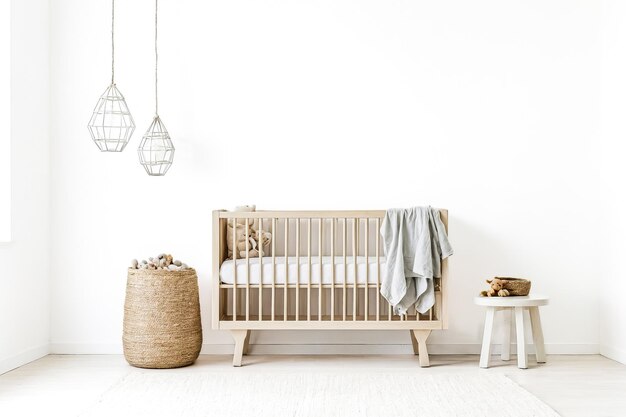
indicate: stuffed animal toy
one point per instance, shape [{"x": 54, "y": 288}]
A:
[
  {"x": 496, "y": 288},
  {"x": 246, "y": 238},
  {"x": 260, "y": 240}
]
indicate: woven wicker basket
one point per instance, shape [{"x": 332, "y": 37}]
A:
[
  {"x": 162, "y": 327},
  {"x": 516, "y": 286}
]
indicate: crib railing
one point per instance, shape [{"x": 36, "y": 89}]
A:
[{"x": 310, "y": 236}]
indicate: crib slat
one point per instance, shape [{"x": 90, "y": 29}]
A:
[
  {"x": 273, "y": 267},
  {"x": 235, "y": 269},
  {"x": 320, "y": 290},
  {"x": 297, "y": 269},
  {"x": 308, "y": 290},
  {"x": 367, "y": 269},
  {"x": 260, "y": 269},
  {"x": 345, "y": 268},
  {"x": 437, "y": 312},
  {"x": 332, "y": 270},
  {"x": 389, "y": 306},
  {"x": 378, "y": 269},
  {"x": 354, "y": 255},
  {"x": 247, "y": 272},
  {"x": 285, "y": 287}
]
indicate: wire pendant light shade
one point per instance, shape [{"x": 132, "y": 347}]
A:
[
  {"x": 111, "y": 124},
  {"x": 156, "y": 150}
]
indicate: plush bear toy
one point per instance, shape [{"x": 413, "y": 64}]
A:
[
  {"x": 496, "y": 288},
  {"x": 259, "y": 240},
  {"x": 246, "y": 238}
]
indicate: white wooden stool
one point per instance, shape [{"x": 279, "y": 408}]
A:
[{"x": 508, "y": 305}]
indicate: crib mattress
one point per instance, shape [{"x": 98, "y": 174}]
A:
[{"x": 364, "y": 270}]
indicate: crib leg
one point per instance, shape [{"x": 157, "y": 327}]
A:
[
  {"x": 240, "y": 341},
  {"x": 246, "y": 343},
  {"x": 421, "y": 336},
  {"x": 416, "y": 349}
]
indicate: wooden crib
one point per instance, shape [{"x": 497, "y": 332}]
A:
[{"x": 323, "y": 271}]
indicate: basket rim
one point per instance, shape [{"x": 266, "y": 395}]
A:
[
  {"x": 513, "y": 279},
  {"x": 160, "y": 271}
]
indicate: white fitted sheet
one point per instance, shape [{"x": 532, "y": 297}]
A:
[{"x": 362, "y": 270}]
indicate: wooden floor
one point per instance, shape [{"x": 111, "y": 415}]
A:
[{"x": 585, "y": 385}]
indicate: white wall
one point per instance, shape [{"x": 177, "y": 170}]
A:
[
  {"x": 24, "y": 273},
  {"x": 487, "y": 108},
  {"x": 5, "y": 122},
  {"x": 613, "y": 308}
]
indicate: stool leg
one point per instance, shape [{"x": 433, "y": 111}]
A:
[
  {"x": 485, "y": 353},
  {"x": 535, "y": 324},
  {"x": 522, "y": 360},
  {"x": 506, "y": 339}
]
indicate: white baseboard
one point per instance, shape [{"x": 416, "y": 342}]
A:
[
  {"x": 327, "y": 349},
  {"x": 22, "y": 358},
  {"x": 616, "y": 354},
  {"x": 80, "y": 348}
]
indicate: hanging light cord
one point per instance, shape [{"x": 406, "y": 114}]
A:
[
  {"x": 156, "y": 59},
  {"x": 112, "y": 41}
]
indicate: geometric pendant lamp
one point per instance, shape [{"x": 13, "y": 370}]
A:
[
  {"x": 111, "y": 124},
  {"x": 156, "y": 150}
]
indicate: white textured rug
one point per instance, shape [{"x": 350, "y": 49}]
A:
[{"x": 156, "y": 394}]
